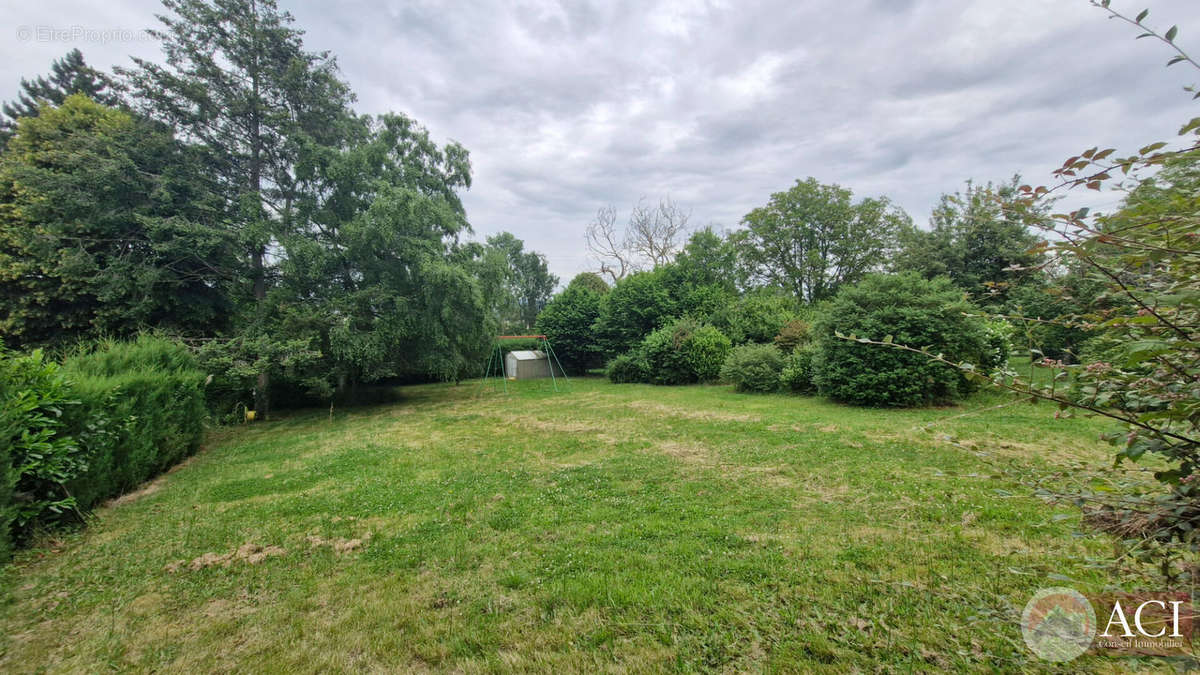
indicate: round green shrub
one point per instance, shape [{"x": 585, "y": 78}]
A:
[
  {"x": 705, "y": 351},
  {"x": 753, "y": 368},
  {"x": 628, "y": 367},
  {"x": 915, "y": 312},
  {"x": 797, "y": 374},
  {"x": 684, "y": 351}
]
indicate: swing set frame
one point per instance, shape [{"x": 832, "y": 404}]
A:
[{"x": 496, "y": 361}]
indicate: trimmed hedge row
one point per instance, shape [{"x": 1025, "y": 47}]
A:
[{"x": 103, "y": 422}]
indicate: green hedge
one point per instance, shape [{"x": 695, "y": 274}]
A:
[{"x": 103, "y": 422}]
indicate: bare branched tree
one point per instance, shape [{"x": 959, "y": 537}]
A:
[
  {"x": 656, "y": 233},
  {"x": 651, "y": 237},
  {"x": 609, "y": 247}
]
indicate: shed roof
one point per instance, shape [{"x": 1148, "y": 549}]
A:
[{"x": 526, "y": 355}]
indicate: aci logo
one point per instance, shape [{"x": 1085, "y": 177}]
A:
[{"x": 1058, "y": 624}]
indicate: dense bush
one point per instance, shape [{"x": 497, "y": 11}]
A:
[
  {"x": 755, "y": 317},
  {"x": 797, "y": 374},
  {"x": 908, "y": 310},
  {"x": 683, "y": 352},
  {"x": 151, "y": 395},
  {"x": 705, "y": 351},
  {"x": 106, "y": 420},
  {"x": 753, "y": 368},
  {"x": 36, "y": 456},
  {"x": 636, "y": 305},
  {"x": 628, "y": 367},
  {"x": 1055, "y": 309}
]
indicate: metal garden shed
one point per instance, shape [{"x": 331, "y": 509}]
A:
[{"x": 526, "y": 365}]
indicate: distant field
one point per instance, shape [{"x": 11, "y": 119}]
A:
[{"x": 609, "y": 527}]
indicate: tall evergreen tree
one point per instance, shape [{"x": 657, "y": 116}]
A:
[
  {"x": 106, "y": 227},
  {"x": 68, "y": 75},
  {"x": 239, "y": 82}
]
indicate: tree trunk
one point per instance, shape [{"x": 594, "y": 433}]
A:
[{"x": 262, "y": 390}]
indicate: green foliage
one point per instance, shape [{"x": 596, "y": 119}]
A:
[
  {"x": 589, "y": 281},
  {"x": 814, "y": 238},
  {"x": 980, "y": 239},
  {"x": 636, "y": 305},
  {"x": 755, "y": 317},
  {"x": 684, "y": 352},
  {"x": 997, "y": 335},
  {"x": 753, "y": 368},
  {"x": 794, "y": 334},
  {"x": 705, "y": 349},
  {"x": 527, "y": 285},
  {"x": 708, "y": 259},
  {"x": 797, "y": 374},
  {"x": 39, "y": 453},
  {"x": 8, "y": 510},
  {"x": 567, "y": 322},
  {"x": 1143, "y": 358},
  {"x": 908, "y": 310},
  {"x": 141, "y": 411},
  {"x": 628, "y": 368},
  {"x": 68, "y": 75},
  {"x": 378, "y": 285},
  {"x": 236, "y": 366},
  {"x": 1053, "y": 311},
  {"x": 104, "y": 230},
  {"x": 109, "y": 418},
  {"x": 308, "y": 248}
]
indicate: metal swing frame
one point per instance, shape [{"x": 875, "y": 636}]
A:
[{"x": 496, "y": 356}]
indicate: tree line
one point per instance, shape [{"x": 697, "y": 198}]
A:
[
  {"x": 794, "y": 254},
  {"x": 230, "y": 196}
]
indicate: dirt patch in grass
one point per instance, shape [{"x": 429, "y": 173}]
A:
[
  {"x": 558, "y": 426},
  {"x": 660, "y": 410},
  {"x": 812, "y": 489},
  {"x": 339, "y": 544},
  {"x": 249, "y": 553},
  {"x": 691, "y": 453},
  {"x": 144, "y": 491}
]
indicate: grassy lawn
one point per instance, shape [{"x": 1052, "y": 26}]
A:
[{"x": 612, "y": 527}]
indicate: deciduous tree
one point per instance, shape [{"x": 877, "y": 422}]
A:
[{"x": 813, "y": 238}]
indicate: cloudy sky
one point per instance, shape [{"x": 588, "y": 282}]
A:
[{"x": 568, "y": 106}]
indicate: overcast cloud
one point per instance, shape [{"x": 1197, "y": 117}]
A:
[{"x": 568, "y": 106}]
